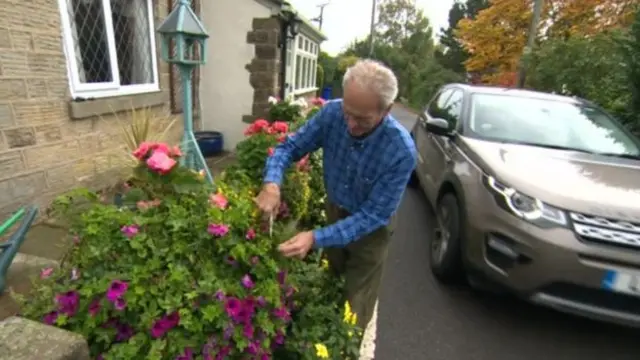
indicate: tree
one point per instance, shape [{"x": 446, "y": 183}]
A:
[
  {"x": 631, "y": 54},
  {"x": 587, "y": 17},
  {"x": 404, "y": 42},
  {"x": 496, "y": 37},
  {"x": 587, "y": 67},
  {"x": 453, "y": 55},
  {"x": 399, "y": 20}
]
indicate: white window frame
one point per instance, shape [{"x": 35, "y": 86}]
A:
[
  {"x": 309, "y": 59},
  {"x": 105, "y": 89}
]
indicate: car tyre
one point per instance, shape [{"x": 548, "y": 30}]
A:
[{"x": 445, "y": 249}]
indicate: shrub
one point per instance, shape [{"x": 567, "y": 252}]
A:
[
  {"x": 262, "y": 137},
  {"x": 182, "y": 270},
  {"x": 288, "y": 110}
]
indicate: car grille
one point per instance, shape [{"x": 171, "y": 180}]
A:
[{"x": 606, "y": 231}]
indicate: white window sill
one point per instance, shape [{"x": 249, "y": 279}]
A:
[
  {"x": 305, "y": 91},
  {"x": 109, "y": 105},
  {"x": 122, "y": 91}
]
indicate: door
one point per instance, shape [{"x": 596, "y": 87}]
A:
[
  {"x": 422, "y": 136},
  {"x": 290, "y": 66},
  {"x": 438, "y": 149}
]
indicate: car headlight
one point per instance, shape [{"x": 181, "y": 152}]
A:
[{"x": 526, "y": 207}]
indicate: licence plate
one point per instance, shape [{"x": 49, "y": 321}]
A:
[{"x": 622, "y": 282}]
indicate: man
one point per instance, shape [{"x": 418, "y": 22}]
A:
[{"x": 368, "y": 159}]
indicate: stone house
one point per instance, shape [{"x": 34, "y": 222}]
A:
[
  {"x": 70, "y": 76},
  {"x": 246, "y": 63}
]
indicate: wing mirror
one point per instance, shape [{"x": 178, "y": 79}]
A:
[{"x": 438, "y": 126}]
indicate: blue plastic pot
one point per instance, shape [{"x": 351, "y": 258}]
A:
[
  {"x": 327, "y": 93},
  {"x": 211, "y": 143}
]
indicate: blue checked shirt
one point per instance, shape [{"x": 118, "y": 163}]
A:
[{"x": 366, "y": 177}]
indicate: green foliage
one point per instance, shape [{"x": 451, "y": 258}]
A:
[
  {"x": 183, "y": 269},
  {"x": 287, "y": 110},
  {"x": 320, "y": 77},
  {"x": 630, "y": 48},
  {"x": 404, "y": 42},
  {"x": 251, "y": 153},
  {"x": 595, "y": 68},
  {"x": 452, "y": 55}
]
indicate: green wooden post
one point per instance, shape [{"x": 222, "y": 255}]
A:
[{"x": 183, "y": 28}]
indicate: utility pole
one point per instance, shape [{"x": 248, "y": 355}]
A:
[
  {"x": 373, "y": 24},
  {"x": 321, "y": 16},
  {"x": 526, "y": 53}
]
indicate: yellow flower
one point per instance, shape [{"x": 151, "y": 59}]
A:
[
  {"x": 349, "y": 317},
  {"x": 350, "y": 333},
  {"x": 321, "y": 351},
  {"x": 325, "y": 264}
]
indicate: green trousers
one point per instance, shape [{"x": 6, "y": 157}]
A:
[{"x": 361, "y": 263}]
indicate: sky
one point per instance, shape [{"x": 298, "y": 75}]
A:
[{"x": 347, "y": 20}]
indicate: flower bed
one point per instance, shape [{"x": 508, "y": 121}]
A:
[{"x": 182, "y": 270}]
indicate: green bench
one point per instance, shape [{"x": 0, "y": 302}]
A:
[{"x": 9, "y": 249}]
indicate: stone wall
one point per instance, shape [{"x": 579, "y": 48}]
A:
[
  {"x": 22, "y": 339},
  {"x": 49, "y": 144},
  {"x": 264, "y": 69}
]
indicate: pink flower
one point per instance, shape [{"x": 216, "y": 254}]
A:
[
  {"x": 280, "y": 126},
  {"x": 94, "y": 308},
  {"x": 116, "y": 290},
  {"x": 251, "y": 234},
  {"x": 187, "y": 354},
  {"x": 218, "y": 200},
  {"x": 163, "y": 325},
  {"x": 141, "y": 152},
  {"x": 120, "y": 304},
  {"x": 160, "y": 162},
  {"x": 248, "y": 331},
  {"x": 318, "y": 101},
  {"x": 68, "y": 302},
  {"x": 218, "y": 230},
  {"x": 46, "y": 272},
  {"x": 247, "y": 282},
  {"x": 146, "y": 205},
  {"x": 50, "y": 318},
  {"x": 129, "y": 230},
  {"x": 124, "y": 332},
  {"x": 161, "y": 147},
  {"x": 270, "y": 151},
  {"x": 176, "y": 152},
  {"x": 232, "y": 306},
  {"x": 282, "y": 313},
  {"x": 303, "y": 164},
  {"x": 282, "y": 277}
]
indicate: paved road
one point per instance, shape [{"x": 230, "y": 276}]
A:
[{"x": 420, "y": 320}]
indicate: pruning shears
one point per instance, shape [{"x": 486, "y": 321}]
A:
[{"x": 271, "y": 225}]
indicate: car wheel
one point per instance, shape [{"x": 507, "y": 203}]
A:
[{"x": 445, "y": 254}]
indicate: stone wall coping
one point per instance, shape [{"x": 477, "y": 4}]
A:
[{"x": 22, "y": 339}]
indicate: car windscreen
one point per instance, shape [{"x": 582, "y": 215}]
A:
[{"x": 548, "y": 123}]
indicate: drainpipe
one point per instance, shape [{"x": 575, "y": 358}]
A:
[{"x": 284, "y": 27}]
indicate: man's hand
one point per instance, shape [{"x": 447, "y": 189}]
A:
[
  {"x": 268, "y": 199},
  {"x": 298, "y": 245}
]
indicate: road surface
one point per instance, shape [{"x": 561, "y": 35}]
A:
[{"x": 420, "y": 320}]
